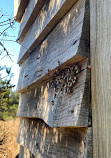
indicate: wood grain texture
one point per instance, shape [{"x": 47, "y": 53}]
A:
[
  {"x": 25, "y": 153},
  {"x": 89, "y": 144},
  {"x": 19, "y": 9},
  {"x": 68, "y": 109},
  {"x": 44, "y": 142},
  {"x": 101, "y": 77},
  {"x": 46, "y": 21},
  {"x": 31, "y": 13},
  {"x": 68, "y": 42}
]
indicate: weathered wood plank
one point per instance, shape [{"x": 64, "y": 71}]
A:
[
  {"x": 89, "y": 144},
  {"x": 63, "y": 49},
  {"x": 46, "y": 21},
  {"x": 25, "y": 153},
  {"x": 67, "y": 109},
  {"x": 19, "y": 9},
  {"x": 101, "y": 77},
  {"x": 33, "y": 8},
  {"x": 44, "y": 142}
]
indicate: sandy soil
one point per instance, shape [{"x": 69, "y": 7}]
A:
[{"x": 8, "y": 133}]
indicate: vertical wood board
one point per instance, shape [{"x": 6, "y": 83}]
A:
[{"x": 101, "y": 77}]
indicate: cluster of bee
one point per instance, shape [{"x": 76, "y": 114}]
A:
[{"x": 64, "y": 80}]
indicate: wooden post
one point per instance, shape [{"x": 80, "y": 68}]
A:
[{"x": 101, "y": 77}]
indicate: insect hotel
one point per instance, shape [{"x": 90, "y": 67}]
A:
[{"x": 64, "y": 78}]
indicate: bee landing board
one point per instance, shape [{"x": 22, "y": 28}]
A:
[
  {"x": 44, "y": 142},
  {"x": 60, "y": 107}
]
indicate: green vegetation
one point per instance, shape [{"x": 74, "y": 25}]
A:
[
  {"x": 8, "y": 99},
  {"x": 10, "y": 106}
]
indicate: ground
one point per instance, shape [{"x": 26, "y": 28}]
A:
[{"x": 8, "y": 138}]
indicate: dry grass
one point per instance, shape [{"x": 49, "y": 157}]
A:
[{"x": 8, "y": 138}]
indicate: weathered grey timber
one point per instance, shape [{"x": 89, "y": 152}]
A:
[
  {"x": 67, "y": 109},
  {"x": 45, "y": 142},
  {"x": 89, "y": 144},
  {"x": 55, "y": 41},
  {"x": 101, "y": 77},
  {"x": 71, "y": 25},
  {"x": 19, "y": 9},
  {"x": 33, "y": 8},
  {"x": 25, "y": 153},
  {"x": 68, "y": 42}
]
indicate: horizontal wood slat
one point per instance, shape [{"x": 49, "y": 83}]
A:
[
  {"x": 31, "y": 13},
  {"x": 58, "y": 48},
  {"x": 43, "y": 141},
  {"x": 47, "y": 19},
  {"x": 19, "y": 9},
  {"x": 68, "y": 109}
]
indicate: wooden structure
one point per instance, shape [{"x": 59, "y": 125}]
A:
[
  {"x": 101, "y": 77},
  {"x": 54, "y": 80}
]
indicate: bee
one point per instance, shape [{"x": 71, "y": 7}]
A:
[
  {"x": 48, "y": 72},
  {"x": 59, "y": 63},
  {"x": 76, "y": 68},
  {"x": 39, "y": 75},
  {"x": 52, "y": 102},
  {"x": 25, "y": 76},
  {"x": 38, "y": 57},
  {"x": 28, "y": 87},
  {"x": 55, "y": 95},
  {"x": 39, "y": 70},
  {"x": 63, "y": 80},
  {"x": 89, "y": 67}
]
